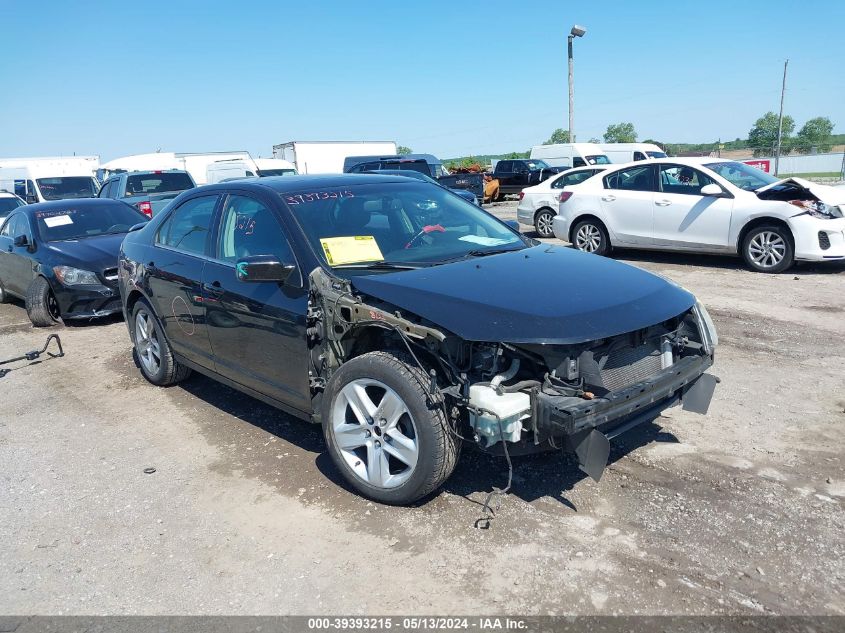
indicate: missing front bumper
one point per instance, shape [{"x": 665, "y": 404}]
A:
[{"x": 589, "y": 425}]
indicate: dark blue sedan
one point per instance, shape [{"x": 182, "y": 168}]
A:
[
  {"x": 61, "y": 257},
  {"x": 406, "y": 321}
]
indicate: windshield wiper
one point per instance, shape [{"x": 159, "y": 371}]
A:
[{"x": 376, "y": 266}]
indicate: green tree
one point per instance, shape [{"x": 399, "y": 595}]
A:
[
  {"x": 558, "y": 136},
  {"x": 815, "y": 133},
  {"x": 403, "y": 149},
  {"x": 620, "y": 133},
  {"x": 763, "y": 137},
  {"x": 594, "y": 140}
]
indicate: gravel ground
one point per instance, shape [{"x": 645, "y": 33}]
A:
[{"x": 737, "y": 512}]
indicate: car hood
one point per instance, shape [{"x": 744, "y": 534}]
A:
[
  {"x": 545, "y": 294},
  {"x": 89, "y": 253},
  {"x": 825, "y": 193}
]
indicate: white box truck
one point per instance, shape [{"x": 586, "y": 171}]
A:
[
  {"x": 50, "y": 178},
  {"x": 570, "y": 154},
  {"x": 326, "y": 157}
]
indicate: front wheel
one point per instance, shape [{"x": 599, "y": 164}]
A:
[
  {"x": 543, "y": 223},
  {"x": 387, "y": 437},
  {"x": 768, "y": 249},
  {"x": 41, "y": 305},
  {"x": 590, "y": 236}
]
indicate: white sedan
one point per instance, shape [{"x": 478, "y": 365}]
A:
[
  {"x": 705, "y": 205},
  {"x": 538, "y": 204}
]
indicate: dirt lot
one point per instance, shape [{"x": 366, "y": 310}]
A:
[{"x": 737, "y": 512}]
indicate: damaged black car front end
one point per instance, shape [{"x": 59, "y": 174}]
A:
[{"x": 520, "y": 366}]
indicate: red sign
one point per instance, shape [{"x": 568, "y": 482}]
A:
[{"x": 762, "y": 165}]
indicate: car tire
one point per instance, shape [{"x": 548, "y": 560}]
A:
[
  {"x": 590, "y": 236},
  {"x": 4, "y": 296},
  {"x": 768, "y": 249},
  {"x": 41, "y": 305},
  {"x": 151, "y": 350},
  {"x": 543, "y": 223},
  {"x": 401, "y": 457}
]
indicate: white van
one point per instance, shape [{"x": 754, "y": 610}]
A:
[
  {"x": 570, "y": 154},
  {"x": 629, "y": 152},
  {"x": 224, "y": 170},
  {"x": 53, "y": 178}
]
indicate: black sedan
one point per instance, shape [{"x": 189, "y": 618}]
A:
[
  {"x": 406, "y": 321},
  {"x": 61, "y": 257}
]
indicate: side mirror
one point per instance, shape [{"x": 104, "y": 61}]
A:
[
  {"x": 263, "y": 268},
  {"x": 712, "y": 190},
  {"x": 21, "y": 240},
  {"x": 137, "y": 227},
  {"x": 31, "y": 198}
]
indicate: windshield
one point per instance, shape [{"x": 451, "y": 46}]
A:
[
  {"x": 157, "y": 183},
  {"x": 537, "y": 164},
  {"x": 410, "y": 224},
  {"x": 657, "y": 154},
  {"x": 742, "y": 175},
  {"x": 598, "y": 159},
  {"x": 73, "y": 223},
  {"x": 7, "y": 205},
  {"x": 264, "y": 173},
  {"x": 67, "y": 187}
]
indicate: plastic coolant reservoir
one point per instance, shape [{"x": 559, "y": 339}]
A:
[{"x": 510, "y": 407}]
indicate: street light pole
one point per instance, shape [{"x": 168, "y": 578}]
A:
[{"x": 577, "y": 31}]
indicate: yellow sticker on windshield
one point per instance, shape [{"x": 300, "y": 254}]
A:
[{"x": 351, "y": 249}]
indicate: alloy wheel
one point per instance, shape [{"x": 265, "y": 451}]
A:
[
  {"x": 53, "y": 307},
  {"x": 375, "y": 433},
  {"x": 588, "y": 238},
  {"x": 767, "y": 249},
  {"x": 544, "y": 224},
  {"x": 146, "y": 343}
]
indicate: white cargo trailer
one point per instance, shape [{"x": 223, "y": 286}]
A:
[{"x": 326, "y": 157}]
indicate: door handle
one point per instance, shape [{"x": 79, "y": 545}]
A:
[
  {"x": 608, "y": 198},
  {"x": 662, "y": 203}
]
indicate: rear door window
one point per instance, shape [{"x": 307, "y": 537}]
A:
[{"x": 188, "y": 227}]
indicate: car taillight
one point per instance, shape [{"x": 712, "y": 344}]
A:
[
  {"x": 563, "y": 196},
  {"x": 146, "y": 208},
  {"x": 521, "y": 195}
]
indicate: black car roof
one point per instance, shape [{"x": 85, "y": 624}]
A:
[
  {"x": 289, "y": 184},
  {"x": 70, "y": 203}
]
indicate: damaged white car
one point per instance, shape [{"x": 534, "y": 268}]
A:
[{"x": 706, "y": 205}]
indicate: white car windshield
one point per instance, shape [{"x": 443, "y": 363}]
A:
[{"x": 742, "y": 175}]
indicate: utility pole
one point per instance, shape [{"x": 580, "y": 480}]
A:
[{"x": 780, "y": 119}]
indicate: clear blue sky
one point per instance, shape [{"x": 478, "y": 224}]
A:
[{"x": 449, "y": 78}]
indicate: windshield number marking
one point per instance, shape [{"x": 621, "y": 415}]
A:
[{"x": 304, "y": 198}]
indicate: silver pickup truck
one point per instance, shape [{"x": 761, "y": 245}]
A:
[{"x": 147, "y": 191}]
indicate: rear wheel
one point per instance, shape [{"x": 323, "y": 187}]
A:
[
  {"x": 543, "y": 223},
  {"x": 41, "y": 305},
  {"x": 152, "y": 350},
  {"x": 590, "y": 236},
  {"x": 387, "y": 437},
  {"x": 768, "y": 249}
]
